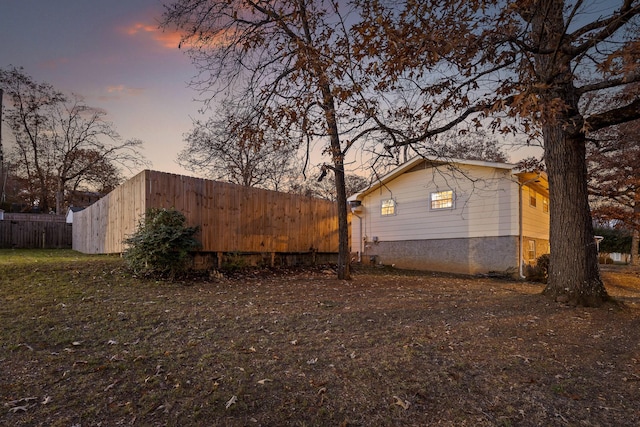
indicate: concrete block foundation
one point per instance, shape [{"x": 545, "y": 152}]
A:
[{"x": 463, "y": 256}]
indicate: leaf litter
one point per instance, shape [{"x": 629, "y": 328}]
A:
[{"x": 298, "y": 347}]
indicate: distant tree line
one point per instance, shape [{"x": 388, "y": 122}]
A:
[{"x": 61, "y": 146}]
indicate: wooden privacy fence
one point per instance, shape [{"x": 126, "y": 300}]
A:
[
  {"x": 232, "y": 218},
  {"x": 35, "y": 234}
]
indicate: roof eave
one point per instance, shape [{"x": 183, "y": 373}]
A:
[{"x": 416, "y": 160}]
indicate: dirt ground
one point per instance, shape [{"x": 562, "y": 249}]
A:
[{"x": 85, "y": 344}]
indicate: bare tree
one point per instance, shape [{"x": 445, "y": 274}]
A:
[
  {"x": 326, "y": 188},
  {"x": 59, "y": 140},
  {"x": 227, "y": 147},
  {"x": 291, "y": 58}
]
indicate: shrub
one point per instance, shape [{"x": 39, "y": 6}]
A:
[
  {"x": 540, "y": 271},
  {"x": 161, "y": 244}
]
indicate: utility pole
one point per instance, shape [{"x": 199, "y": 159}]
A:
[{"x": 3, "y": 175}]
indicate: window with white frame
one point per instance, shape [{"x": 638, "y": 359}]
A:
[
  {"x": 533, "y": 198},
  {"x": 532, "y": 250},
  {"x": 388, "y": 207},
  {"x": 442, "y": 200}
]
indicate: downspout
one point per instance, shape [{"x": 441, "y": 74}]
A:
[
  {"x": 520, "y": 234},
  {"x": 354, "y": 205},
  {"x": 360, "y": 249}
]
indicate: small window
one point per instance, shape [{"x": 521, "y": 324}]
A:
[
  {"x": 532, "y": 250},
  {"x": 442, "y": 200},
  {"x": 545, "y": 204},
  {"x": 388, "y": 207},
  {"x": 533, "y": 198}
]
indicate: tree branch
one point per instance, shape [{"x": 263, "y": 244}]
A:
[{"x": 613, "y": 117}]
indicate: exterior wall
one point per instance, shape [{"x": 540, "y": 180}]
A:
[
  {"x": 535, "y": 222},
  {"x": 480, "y": 234},
  {"x": 541, "y": 248},
  {"x": 483, "y": 207},
  {"x": 464, "y": 256}
]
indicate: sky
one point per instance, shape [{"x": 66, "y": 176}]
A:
[{"x": 113, "y": 54}]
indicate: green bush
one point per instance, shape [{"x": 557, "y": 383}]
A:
[
  {"x": 161, "y": 245},
  {"x": 540, "y": 271}
]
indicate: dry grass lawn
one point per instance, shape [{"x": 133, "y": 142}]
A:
[{"x": 83, "y": 343}]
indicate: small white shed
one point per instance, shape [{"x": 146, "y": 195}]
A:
[{"x": 70, "y": 213}]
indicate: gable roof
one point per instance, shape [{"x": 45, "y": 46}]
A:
[{"x": 432, "y": 161}]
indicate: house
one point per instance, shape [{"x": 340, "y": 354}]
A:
[
  {"x": 70, "y": 212},
  {"x": 458, "y": 216}
]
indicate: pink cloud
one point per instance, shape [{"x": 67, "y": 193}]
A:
[
  {"x": 165, "y": 39},
  {"x": 171, "y": 39},
  {"x": 53, "y": 64},
  {"x": 119, "y": 91},
  {"x": 122, "y": 89}
]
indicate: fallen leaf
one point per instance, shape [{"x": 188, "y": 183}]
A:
[
  {"x": 46, "y": 400},
  {"x": 231, "y": 401},
  {"x": 266, "y": 380},
  {"x": 19, "y": 401},
  {"x": 404, "y": 404}
]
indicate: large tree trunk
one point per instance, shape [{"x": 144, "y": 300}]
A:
[
  {"x": 635, "y": 236},
  {"x": 574, "y": 275},
  {"x": 344, "y": 259},
  {"x": 635, "y": 247}
]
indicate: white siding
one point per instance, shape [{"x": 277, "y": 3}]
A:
[{"x": 486, "y": 204}]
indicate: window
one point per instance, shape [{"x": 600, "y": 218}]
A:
[
  {"x": 545, "y": 204},
  {"x": 533, "y": 198},
  {"x": 442, "y": 200},
  {"x": 388, "y": 207},
  {"x": 532, "y": 250}
]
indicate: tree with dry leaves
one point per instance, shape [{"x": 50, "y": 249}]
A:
[
  {"x": 614, "y": 179},
  {"x": 538, "y": 66},
  {"x": 291, "y": 60},
  {"x": 60, "y": 142}
]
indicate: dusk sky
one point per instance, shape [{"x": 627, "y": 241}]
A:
[{"x": 113, "y": 54}]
